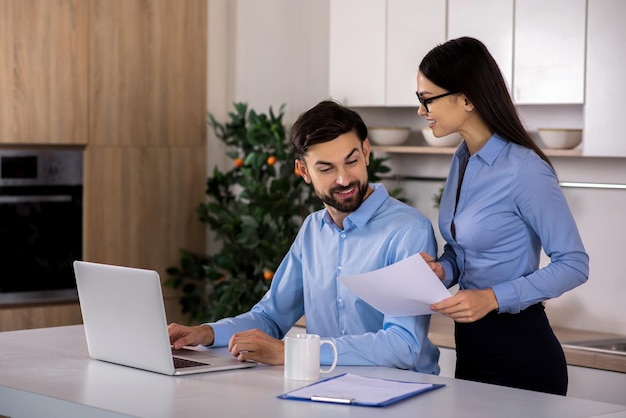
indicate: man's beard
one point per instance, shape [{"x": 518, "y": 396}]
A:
[{"x": 345, "y": 205}]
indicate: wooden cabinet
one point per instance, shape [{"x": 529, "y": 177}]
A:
[
  {"x": 606, "y": 60},
  {"x": 146, "y": 159},
  {"x": 131, "y": 86},
  {"x": 140, "y": 208},
  {"x": 140, "y": 204},
  {"x": 549, "y": 48},
  {"x": 147, "y": 71},
  {"x": 43, "y": 71},
  {"x": 6, "y": 70},
  {"x": 491, "y": 22},
  {"x": 39, "y": 316},
  {"x": 376, "y": 47}
]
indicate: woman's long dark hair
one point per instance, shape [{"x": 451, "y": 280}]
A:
[{"x": 465, "y": 65}]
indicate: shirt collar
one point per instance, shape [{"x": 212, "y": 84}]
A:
[
  {"x": 488, "y": 152},
  {"x": 360, "y": 217}
]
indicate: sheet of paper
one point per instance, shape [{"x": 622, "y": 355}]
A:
[{"x": 407, "y": 287}]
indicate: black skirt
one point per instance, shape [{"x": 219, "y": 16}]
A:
[{"x": 515, "y": 350}]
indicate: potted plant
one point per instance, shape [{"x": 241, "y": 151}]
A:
[{"x": 254, "y": 209}]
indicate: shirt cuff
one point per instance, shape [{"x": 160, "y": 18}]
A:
[
  {"x": 507, "y": 297},
  {"x": 221, "y": 334},
  {"x": 448, "y": 274}
]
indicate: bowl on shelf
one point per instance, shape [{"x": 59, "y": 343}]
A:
[
  {"x": 560, "y": 138},
  {"x": 451, "y": 140},
  {"x": 388, "y": 135}
]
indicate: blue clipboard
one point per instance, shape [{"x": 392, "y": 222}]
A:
[{"x": 351, "y": 389}]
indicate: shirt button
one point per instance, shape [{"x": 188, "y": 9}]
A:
[
  {"x": 340, "y": 301},
  {"x": 339, "y": 268},
  {"x": 343, "y": 332},
  {"x": 343, "y": 235}
]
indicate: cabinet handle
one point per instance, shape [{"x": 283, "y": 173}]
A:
[
  {"x": 579, "y": 185},
  {"x": 35, "y": 199},
  {"x": 566, "y": 184}
]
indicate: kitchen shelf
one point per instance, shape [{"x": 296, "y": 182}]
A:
[
  {"x": 563, "y": 152},
  {"x": 408, "y": 149}
]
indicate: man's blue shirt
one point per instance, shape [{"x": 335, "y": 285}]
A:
[
  {"x": 380, "y": 232},
  {"x": 510, "y": 205}
]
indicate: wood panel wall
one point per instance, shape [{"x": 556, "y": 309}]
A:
[
  {"x": 49, "y": 88},
  {"x": 6, "y": 70},
  {"x": 147, "y": 72},
  {"x": 147, "y": 101},
  {"x": 146, "y": 157},
  {"x": 127, "y": 78},
  {"x": 39, "y": 316}
]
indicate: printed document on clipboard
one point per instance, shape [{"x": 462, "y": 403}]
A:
[
  {"x": 405, "y": 288},
  {"x": 351, "y": 389}
]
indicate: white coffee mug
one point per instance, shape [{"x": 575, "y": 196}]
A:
[{"x": 302, "y": 357}]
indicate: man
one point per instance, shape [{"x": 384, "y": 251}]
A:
[{"x": 361, "y": 229}]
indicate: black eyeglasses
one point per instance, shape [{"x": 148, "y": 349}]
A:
[{"x": 426, "y": 102}]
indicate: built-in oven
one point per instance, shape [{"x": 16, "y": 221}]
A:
[{"x": 41, "y": 217}]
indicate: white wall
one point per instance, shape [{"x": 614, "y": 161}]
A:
[{"x": 276, "y": 51}]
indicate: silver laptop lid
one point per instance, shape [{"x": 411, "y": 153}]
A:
[{"x": 124, "y": 316}]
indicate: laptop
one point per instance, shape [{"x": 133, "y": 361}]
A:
[{"x": 125, "y": 323}]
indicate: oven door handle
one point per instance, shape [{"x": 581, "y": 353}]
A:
[{"x": 35, "y": 198}]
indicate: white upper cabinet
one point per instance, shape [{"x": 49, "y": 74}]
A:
[
  {"x": 539, "y": 45},
  {"x": 549, "y": 51},
  {"x": 489, "y": 21},
  {"x": 357, "y": 52},
  {"x": 414, "y": 27},
  {"x": 605, "y": 105},
  {"x": 376, "y": 47}
]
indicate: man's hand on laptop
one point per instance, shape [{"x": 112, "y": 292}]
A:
[
  {"x": 181, "y": 335},
  {"x": 257, "y": 346}
]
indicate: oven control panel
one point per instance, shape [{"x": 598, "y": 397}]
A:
[{"x": 41, "y": 167}]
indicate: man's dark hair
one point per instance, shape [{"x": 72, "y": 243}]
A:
[{"x": 325, "y": 122}]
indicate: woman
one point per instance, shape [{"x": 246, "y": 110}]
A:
[{"x": 501, "y": 204}]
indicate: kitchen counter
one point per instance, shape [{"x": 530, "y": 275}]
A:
[
  {"x": 442, "y": 334},
  {"x": 47, "y": 372}
]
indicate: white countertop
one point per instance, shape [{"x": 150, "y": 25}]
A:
[{"x": 47, "y": 372}]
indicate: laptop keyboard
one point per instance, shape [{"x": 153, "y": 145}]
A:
[{"x": 181, "y": 363}]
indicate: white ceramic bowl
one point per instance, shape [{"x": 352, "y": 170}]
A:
[
  {"x": 451, "y": 140},
  {"x": 388, "y": 135},
  {"x": 560, "y": 138}
]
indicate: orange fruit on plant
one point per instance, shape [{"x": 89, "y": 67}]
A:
[
  {"x": 268, "y": 275},
  {"x": 238, "y": 162},
  {"x": 271, "y": 160}
]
